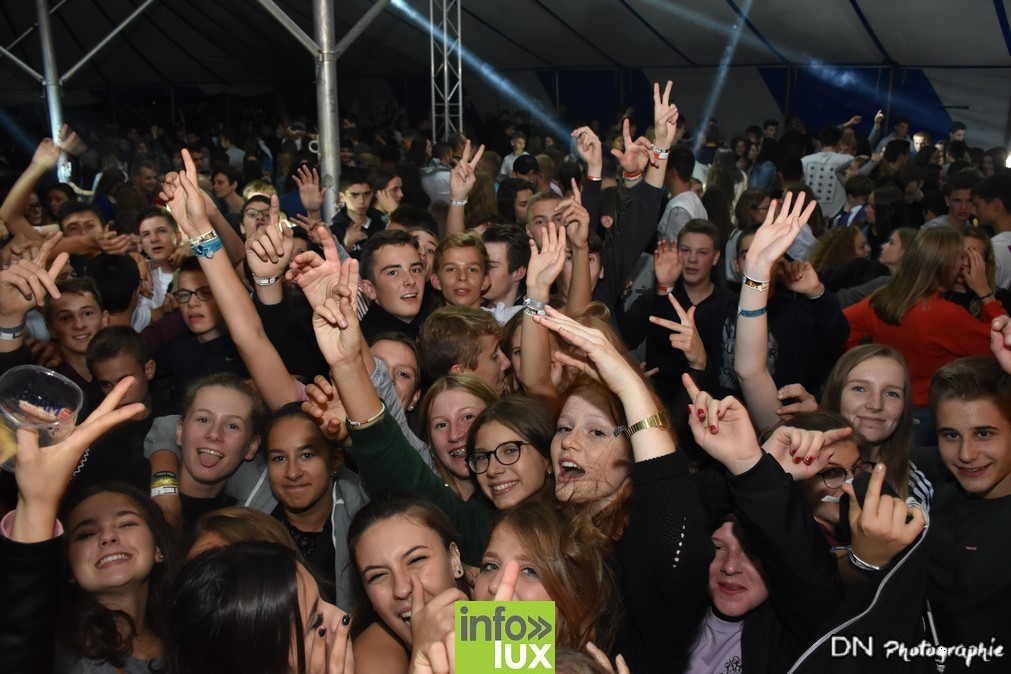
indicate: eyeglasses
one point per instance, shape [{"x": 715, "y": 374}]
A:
[
  {"x": 506, "y": 454},
  {"x": 836, "y": 477},
  {"x": 203, "y": 294},
  {"x": 256, "y": 213}
]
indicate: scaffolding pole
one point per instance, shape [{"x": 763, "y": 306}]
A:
[
  {"x": 51, "y": 83},
  {"x": 446, "y": 68}
]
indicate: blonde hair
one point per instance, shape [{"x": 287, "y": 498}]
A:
[{"x": 928, "y": 266}]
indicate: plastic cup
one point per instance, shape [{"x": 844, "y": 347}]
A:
[{"x": 35, "y": 397}]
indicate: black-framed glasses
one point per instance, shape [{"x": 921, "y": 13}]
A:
[
  {"x": 837, "y": 477},
  {"x": 256, "y": 212},
  {"x": 507, "y": 453},
  {"x": 203, "y": 294}
]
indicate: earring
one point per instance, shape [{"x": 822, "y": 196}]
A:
[
  {"x": 160, "y": 557},
  {"x": 458, "y": 573},
  {"x": 410, "y": 408}
]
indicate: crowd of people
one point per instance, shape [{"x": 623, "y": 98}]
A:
[{"x": 731, "y": 405}]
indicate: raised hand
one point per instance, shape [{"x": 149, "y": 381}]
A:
[
  {"x": 974, "y": 273},
  {"x": 685, "y": 336},
  {"x": 26, "y": 282},
  {"x": 308, "y": 188},
  {"x": 324, "y": 407},
  {"x": 773, "y": 238},
  {"x": 328, "y": 651},
  {"x": 1000, "y": 341},
  {"x": 43, "y": 474},
  {"x": 806, "y": 402},
  {"x": 575, "y": 218},
  {"x": 47, "y": 154},
  {"x": 804, "y": 453},
  {"x": 545, "y": 264},
  {"x": 317, "y": 277},
  {"x": 431, "y": 621},
  {"x": 589, "y": 149},
  {"x": 636, "y": 155},
  {"x": 665, "y": 117},
  {"x": 463, "y": 176},
  {"x": 667, "y": 264},
  {"x": 878, "y": 118},
  {"x": 113, "y": 243},
  {"x": 802, "y": 278},
  {"x": 310, "y": 226},
  {"x": 269, "y": 250},
  {"x": 722, "y": 428},
  {"x": 603, "y": 362},
  {"x": 879, "y": 528},
  {"x": 601, "y": 659},
  {"x": 335, "y": 320}
]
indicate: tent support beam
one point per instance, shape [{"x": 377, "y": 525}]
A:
[
  {"x": 28, "y": 32},
  {"x": 326, "y": 105},
  {"x": 51, "y": 83},
  {"x": 32, "y": 72},
  {"x": 360, "y": 27},
  {"x": 296, "y": 32},
  {"x": 108, "y": 38}
]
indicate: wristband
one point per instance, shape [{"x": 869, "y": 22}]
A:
[
  {"x": 661, "y": 289},
  {"x": 164, "y": 478},
  {"x": 265, "y": 280},
  {"x": 209, "y": 248},
  {"x": 658, "y": 419},
  {"x": 660, "y": 154},
  {"x": 10, "y": 334},
  {"x": 374, "y": 418},
  {"x": 760, "y": 286},
  {"x": 164, "y": 491},
  {"x": 595, "y": 179},
  {"x": 203, "y": 238},
  {"x": 630, "y": 176},
  {"x": 859, "y": 563},
  {"x": 454, "y": 202},
  {"x": 751, "y": 313},
  {"x": 983, "y": 297},
  {"x": 533, "y": 307},
  {"x": 818, "y": 296}
]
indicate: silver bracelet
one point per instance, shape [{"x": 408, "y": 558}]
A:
[
  {"x": 453, "y": 202},
  {"x": 265, "y": 281},
  {"x": 859, "y": 563}
]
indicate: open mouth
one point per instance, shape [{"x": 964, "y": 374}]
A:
[
  {"x": 458, "y": 453},
  {"x": 569, "y": 470},
  {"x": 406, "y": 617},
  {"x": 209, "y": 457},
  {"x": 112, "y": 559},
  {"x": 504, "y": 487}
]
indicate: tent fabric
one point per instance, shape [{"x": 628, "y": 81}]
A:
[{"x": 235, "y": 46}]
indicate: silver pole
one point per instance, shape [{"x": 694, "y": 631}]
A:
[
  {"x": 51, "y": 83},
  {"x": 32, "y": 72},
  {"x": 108, "y": 38},
  {"x": 291, "y": 26},
  {"x": 28, "y": 31},
  {"x": 326, "y": 105},
  {"x": 360, "y": 27}
]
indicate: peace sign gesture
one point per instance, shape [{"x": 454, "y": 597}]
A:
[
  {"x": 665, "y": 116},
  {"x": 684, "y": 337},
  {"x": 462, "y": 177}
]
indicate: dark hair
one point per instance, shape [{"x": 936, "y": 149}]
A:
[
  {"x": 506, "y": 197},
  {"x": 963, "y": 180},
  {"x": 113, "y": 341},
  {"x": 531, "y": 419},
  {"x": 92, "y": 630},
  {"x": 829, "y": 136},
  {"x": 155, "y": 212},
  {"x": 231, "y": 175},
  {"x": 859, "y": 186},
  {"x": 412, "y": 217},
  {"x": 73, "y": 286},
  {"x": 73, "y": 206},
  {"x": 380, "y": 177},
  {"x": 700, "y": 226},
  {"x": 243, "y": 593},
  {"x": 293, "y": 410},
  {"x": 895, "y": 149},
  {"x": 386, "y": 237},
  {"x": 143, "y": 161},
  {"x": 742, "y": 211},
  {"x": 997, "y": 186},
  {"x": 517, "y": 243},
  {"x": 681, "y": 162},
  {"x": 117, "y": 279},
  {"x": 972, "y": 378},
  {"x": 890, "y": 211},
  {"x": 791, "y": 168},
  {"x": 351, "y": 176}
]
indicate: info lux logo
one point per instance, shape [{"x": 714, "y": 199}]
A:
[{"x": 503, "y": 636}]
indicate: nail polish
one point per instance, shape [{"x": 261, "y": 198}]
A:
[
  {"x": 809, "y": 460},
  {"x": 346, "y": 620},
  {"x": 322, "y": 631}
]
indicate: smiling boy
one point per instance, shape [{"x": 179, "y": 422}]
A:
[
  {"x": 970, "y": 400},
  {"x": 73, "y": 320},
  {"x": 460, "y": 270}
]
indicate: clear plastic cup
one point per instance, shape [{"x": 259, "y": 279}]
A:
[{"x": 35, "y": 397}]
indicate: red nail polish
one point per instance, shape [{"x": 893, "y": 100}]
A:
[
  {"x": 702, "y": 413},
  {"x": 712, "y": 428},
  {"x": 796, "y": 459},
  {"x": 809, "y": 460}
]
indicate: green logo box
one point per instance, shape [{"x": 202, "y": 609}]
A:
[{"x": 504, "y": 636}]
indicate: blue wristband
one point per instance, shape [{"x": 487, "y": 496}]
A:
[
  {"x": 751, "y": 313},
  {"x": 208, "y": 248}
]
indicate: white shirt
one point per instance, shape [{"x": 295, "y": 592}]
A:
[{"x": 1002, "y": 254}]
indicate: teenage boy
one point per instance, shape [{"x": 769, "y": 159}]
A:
[
  {"x": 393, "y": 279},
  {"x": 356, "y": 220},
  {"x": 207, "y": 348},
  {"x": 970, "y": 401},
  {"x": 115, "y": 353},
  {"x": 959, "y": 202},
  {"x": 159, "y": 239},
  {"x": 461, "y": 339},
  {"x": 460, "y": 270},
  {"x": 508, "y": 249},
  {"x": 73, "y": 320}
]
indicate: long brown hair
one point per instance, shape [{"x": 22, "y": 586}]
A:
[
  {"x": 894, "y": 451},
  {"x": 929, "y": 265}
]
